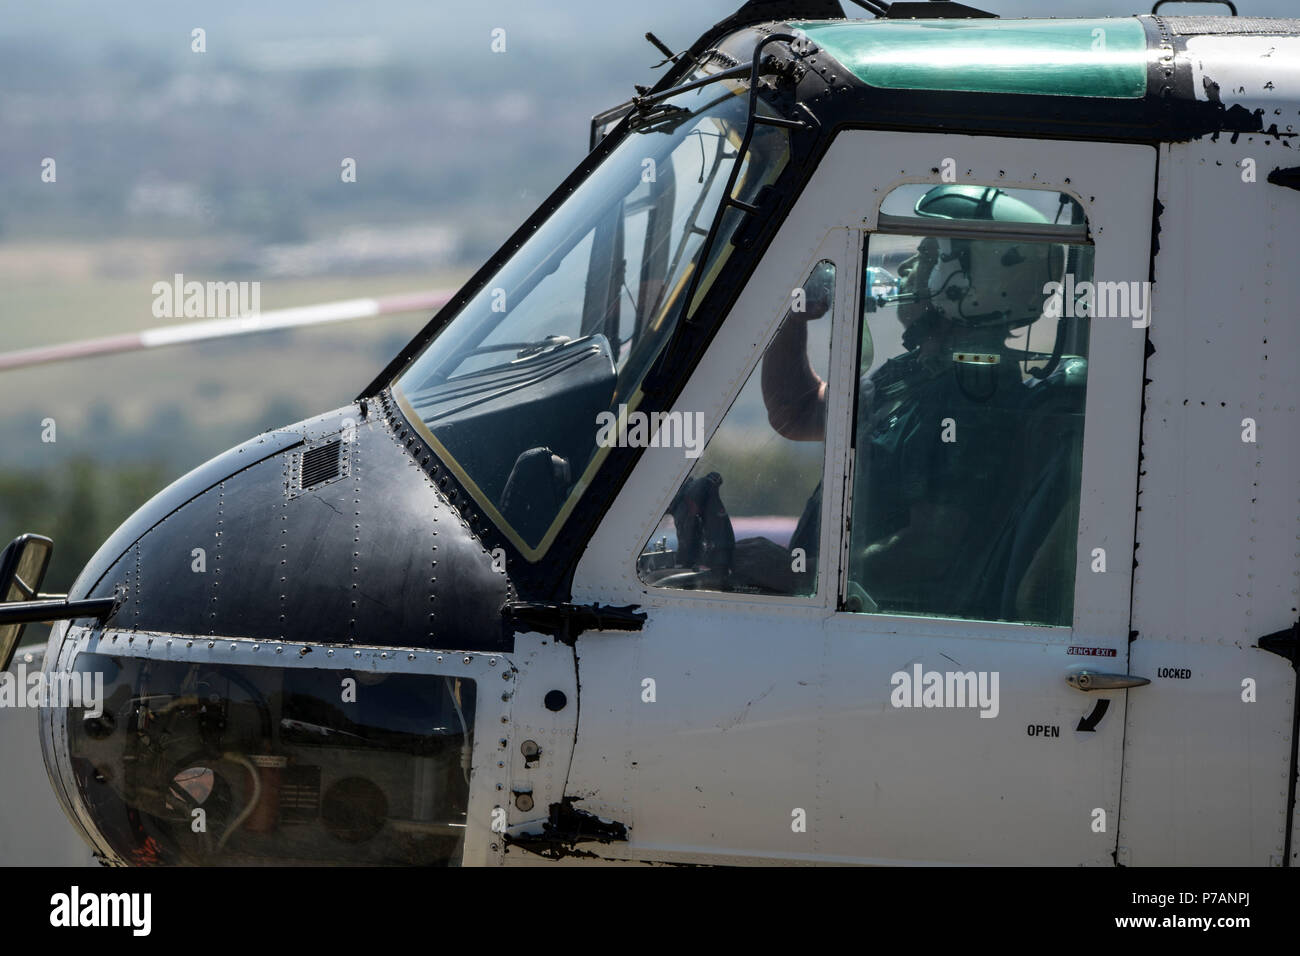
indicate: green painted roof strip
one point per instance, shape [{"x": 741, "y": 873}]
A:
[{"x": 1105, "y": 58}]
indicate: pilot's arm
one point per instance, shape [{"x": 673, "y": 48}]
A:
[{"x": 794, "y": 394}]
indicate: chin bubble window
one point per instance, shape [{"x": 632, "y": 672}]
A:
[
  {"x": 747, "y": 518},
  {"x": 194, "y": 763},
  {"x": 969, "y": 426}
]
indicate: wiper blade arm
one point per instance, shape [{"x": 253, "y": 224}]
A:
[
  {"x": 643, "y": 103},
  {"x": 663, "y": 118}
]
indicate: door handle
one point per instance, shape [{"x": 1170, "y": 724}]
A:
[{"x": 1086, "y": 680}]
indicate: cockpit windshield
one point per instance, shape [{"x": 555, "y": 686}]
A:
[{"x": 510, "y": 391}]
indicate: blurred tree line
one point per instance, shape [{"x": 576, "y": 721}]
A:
[{"x": 78, "y": 505}]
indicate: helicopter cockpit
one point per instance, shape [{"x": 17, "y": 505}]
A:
[{"x": 509, "y": 393}]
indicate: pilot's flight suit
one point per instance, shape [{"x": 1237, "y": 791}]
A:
[
  {"x": 941, "y": 434},
  {"x": 905, "y": 461}
]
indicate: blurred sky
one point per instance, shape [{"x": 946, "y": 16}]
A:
[
  {"x": 561, "y": 27},
  {"x": 427, "y": 22}
]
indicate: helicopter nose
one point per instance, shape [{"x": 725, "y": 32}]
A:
[
  {"x": 206, "y": 745},
  {"x": 326, "y": 531}
]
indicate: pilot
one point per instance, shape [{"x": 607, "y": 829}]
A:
[{"x": 940, "y": 426}]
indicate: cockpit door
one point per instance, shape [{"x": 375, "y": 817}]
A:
[
  {"x": 948, "y": 723},
  {"x": 977, "y": 663}
]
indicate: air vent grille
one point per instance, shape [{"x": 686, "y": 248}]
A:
[{"x": 320, "y": 464}]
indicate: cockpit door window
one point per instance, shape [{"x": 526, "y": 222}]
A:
[
  {"x": 970, "y": 413},
  {"x": 747, "y": 519}
]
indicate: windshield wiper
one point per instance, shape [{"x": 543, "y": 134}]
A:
[
  {"x": 643, "y": 103},
  {"x": 663, "y": 118}
]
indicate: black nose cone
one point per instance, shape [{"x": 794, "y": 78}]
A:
[{"x": 325, "y": 532}]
